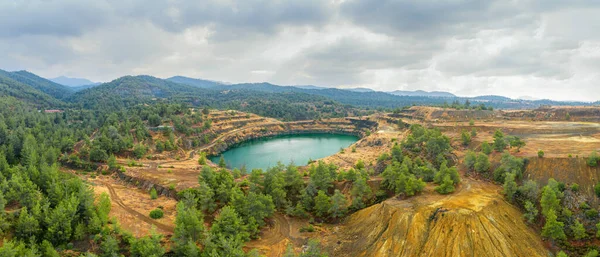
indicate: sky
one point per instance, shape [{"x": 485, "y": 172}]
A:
[{"x": 541, "y": 49}]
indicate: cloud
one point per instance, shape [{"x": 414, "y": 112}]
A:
[{"x": 547, "y": 49}]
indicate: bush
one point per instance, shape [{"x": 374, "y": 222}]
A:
[
  {"x": 575, "y": 187},
  {"x": 591, "y": 213},
  {"x": 153, "y": 194},
  {"x": 593, "y": 159},
  {"x": 156, "y": 214},
  {"x": 541, "y": 154},
  {"x": 308, "y": 228}
]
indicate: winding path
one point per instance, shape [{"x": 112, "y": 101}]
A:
[{"x": 114, "y": 197}]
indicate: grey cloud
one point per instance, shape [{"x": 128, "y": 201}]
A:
[
  {"x": 53, "y": 17},
  {"x": 462, "y": 46}
]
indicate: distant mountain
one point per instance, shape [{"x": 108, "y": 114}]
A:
[
  {"x": 422, "y": 93},
  {"x": 359, "y": 89},
  {"x": 53, "y": 89},
  {"x": 73, "y": 82},
  {"x": 201, "y": 83}
]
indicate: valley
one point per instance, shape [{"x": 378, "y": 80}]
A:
[{"x": 138, "y": 162}]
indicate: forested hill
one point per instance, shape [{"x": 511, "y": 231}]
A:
[
  {"x": 46, "y": 86},
  {"x": 130, "y": 90},
  {"x": 375, "y": 99},
  {"x": 10, "y": 87},
  {"x": 284, "y": 102}
]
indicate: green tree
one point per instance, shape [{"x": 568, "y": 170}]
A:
[
  {"x": 98, "y": 155},
  {"x": 112, "y": 162},
  {"x": 322, "y": 204},
  {"x": 482, "y": 163},
  {"x": 510, "y": 186},
  {"x": 550, "y": 200},
  {"x": 465, "y": 138},
  {"x": 531, "y": 212},
  {"x": 578, "y": 230},
  {"x": 202, "y": 159},
  {"x": 154, "y": 120},
  {"x": 139, "y": 151},
  {"x": 486, "y": 148},
  {"x": 228, "y": 226},
  {"x": 338, "y": 206},
  {"x": 473, "y": 132},
  {"x": 321, "y": 176},
  {"x": 499, "y": 141},
  {"x": 540, "y": 154},
  {"x": 470, "y": 159},
  {"x": 553, "y": 228},
  {"x": 148, "y": 246},
  {"x": 27, "y": 225},
  {"x": 103, "y": 207},
  {"x": 109, "y": 247},
  {"x": 189, "y": 228},
  {"x": 446, "y": 186},
  {"x": 361, "y": 193}
]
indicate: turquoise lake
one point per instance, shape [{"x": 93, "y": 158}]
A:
[{"x": 266, "y": 152}]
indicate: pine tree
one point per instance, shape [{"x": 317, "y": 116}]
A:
[
  {"x": 510, "y": 186},
  {"x": 486, "y": 148},
  {"x": 189, "y": 228},
  {"x": 360, "y": 191},
  {"x": 578, "y": 230},
  {"x": 482, "y": 163},
  {"x": 338, "y": 206},
  {"x": 322, "y": 204},
  {"x": 499, "y": 141},
  {"x": 148, "y": 246},
  {"x": 470, "y": 159},
  {"x": 553, "y": 229},
  {"x": 531, "y": 212}
]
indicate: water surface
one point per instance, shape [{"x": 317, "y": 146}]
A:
[{"x": 266, "y": 152}]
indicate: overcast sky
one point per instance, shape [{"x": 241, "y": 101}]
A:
[{"x": 543, "y": 49}]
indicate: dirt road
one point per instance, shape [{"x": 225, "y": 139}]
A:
[{"x": 115, "y": 197}]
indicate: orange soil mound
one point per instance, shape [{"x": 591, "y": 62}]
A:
[{"x": 475, "y": 221}]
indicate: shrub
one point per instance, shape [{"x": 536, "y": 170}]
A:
[
  {"x": 541, "y": 154},
  {"x": 593, "y": 159},
  {"x": 153, "y": 194},
  {"x": 309, "y": 228},
  {"x": 156, "y": 214},
  {"x": 591, "y": 213},
  {"x": 575, "y": 187}
]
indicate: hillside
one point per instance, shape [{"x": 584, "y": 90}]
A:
[
  {"x": 130, "y": 90},
  {"x": 46, "y": 86},
  {"x": 26, "y": 93}
]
